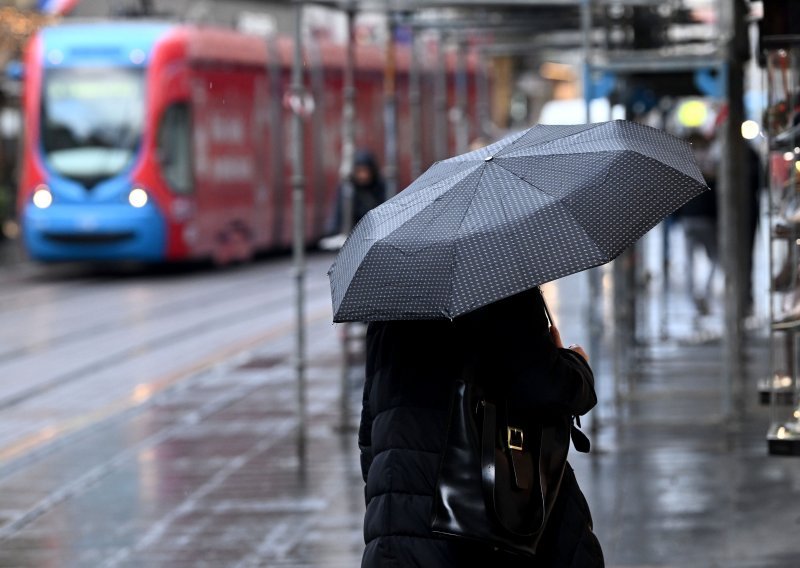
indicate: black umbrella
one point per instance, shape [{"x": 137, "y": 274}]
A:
[{"x": 531, "y": 208}]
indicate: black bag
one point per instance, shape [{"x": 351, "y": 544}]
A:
[{"x": 499, "y": 475}]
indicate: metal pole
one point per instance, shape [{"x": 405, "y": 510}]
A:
[
  {"x": 623, "y": 271},
  {"x": 298, "y": 197},
  {"x": 390, "y": 107},
  {"x": 731, "y": 218},
  {"x": 483, "y": 94},
  {"x": 663, "y": 326},
  {"x": 348, "y": 126},
  {"x": 415, "y": 102},
  {"x": 461, "y": 117},
  {"x": 440, "y": 103},
  {"x": 348, "y": 195},
  {"x": 666, "y": 267},
  {"x": 586, "y": 29},
  {"x": 595, "y": 285}
]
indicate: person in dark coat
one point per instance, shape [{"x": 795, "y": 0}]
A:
[
  {"x": 410, "y": 374},
  {"x": 369, "y": 190},
  {"x": 754, "y": 176},
  {"x": 699, "y": 220}
]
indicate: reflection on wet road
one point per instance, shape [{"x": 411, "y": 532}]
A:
[{"x": 152, "y": 421}]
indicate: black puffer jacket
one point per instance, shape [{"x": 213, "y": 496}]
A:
[{"x": 411, "y": 367}]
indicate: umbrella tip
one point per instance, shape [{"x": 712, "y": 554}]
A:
[{"x": 488, "y": 158}]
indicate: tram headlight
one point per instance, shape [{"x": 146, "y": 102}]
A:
[
  {"x": 138, "y": 197},
  {"x": 42, "y": 198}
]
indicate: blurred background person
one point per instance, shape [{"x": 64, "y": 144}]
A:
[
  {"x": 699, "y": 221},
  {"x": 369, "y": 190}
]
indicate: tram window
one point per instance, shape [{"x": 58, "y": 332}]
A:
[{"x": 175, "y": 147}]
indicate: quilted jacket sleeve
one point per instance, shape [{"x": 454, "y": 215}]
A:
[
  {"x": 365, "y": 433},
  {"x": 374, "y": 332},
  {"x": 577, "y": 394}
]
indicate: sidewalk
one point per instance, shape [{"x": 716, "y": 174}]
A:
[
  {"x": 10, "y": 252},
  {"x": 670, "y": 484}
]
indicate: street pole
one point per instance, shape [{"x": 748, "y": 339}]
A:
[
  {"x": 732, "y": 204},
  {"x": 390, "y": 106},
  {"x": 461, "y": 126},
  {"x": 348, "y": 126},
  {"x": 298, "y": 197},
  {"x": 594, "y": 275},
  {"x": 348, "y": 195},
  {"x": 440, "y": 102},
  {"x": 482, "y": 77},
  {"x": 415, "y": 109}
]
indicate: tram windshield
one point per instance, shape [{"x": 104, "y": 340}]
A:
[{"x": 92, "y": 121}]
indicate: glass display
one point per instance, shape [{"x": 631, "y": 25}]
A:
[{"x": 782, "y": 129}]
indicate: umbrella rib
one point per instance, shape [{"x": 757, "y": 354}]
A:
[
  {"x": 597, "y": 125},
  {"x": 481, "y": 153},
  {"x": 414, "y": 199},
  {"x": 533, "y": 185},
  {"x": 632, "y": 148},
  {"x": 567, "y": 139},
  {"x": 679, "y": 172},
  {"x": 568, "y": 210},
  {"x": 621, "y": 151},
  {"x": 448, "y": 176},
  {"x": 549, "y": 154},
  {"x": 455, "y": 244}
]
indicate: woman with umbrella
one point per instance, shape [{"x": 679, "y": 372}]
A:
[
  {"x": 448, "y": 273},
  {"x": 411, "y": 366}
]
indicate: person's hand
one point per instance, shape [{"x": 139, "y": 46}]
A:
[
  {"x": 554, "y": 333},
  {"x": 579, "y": 350}
]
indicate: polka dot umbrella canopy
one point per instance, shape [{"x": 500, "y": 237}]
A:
[{"x": 535, "y": 206}]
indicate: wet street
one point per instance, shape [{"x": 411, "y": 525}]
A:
[{"x": 149, "y": 418}]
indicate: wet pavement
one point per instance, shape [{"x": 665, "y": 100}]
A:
[
  {"x": 151, "y": 420},
  {"x": 10, "y": 252},
  {"x": 143, "y": 431}
]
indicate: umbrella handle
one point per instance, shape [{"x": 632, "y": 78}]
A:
[{"x": 546, "y": 309}]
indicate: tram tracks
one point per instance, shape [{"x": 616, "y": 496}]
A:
[
  {"x": 157, "y": 343},
  {"x": 187, "y": 420},
  {"x": 220, "y": 318},
  {"x": 181, "y": 334},
  {"x": 22, "y": 284},
  {"x": 161, "y": 310}
]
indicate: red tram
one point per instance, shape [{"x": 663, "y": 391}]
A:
[{"x": 161, "y": 142}]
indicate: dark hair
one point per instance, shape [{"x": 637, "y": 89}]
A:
[{"x": 368, "y": 159}]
